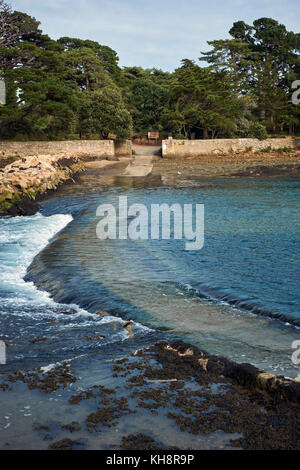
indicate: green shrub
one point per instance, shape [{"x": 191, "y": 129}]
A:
[
  {"x": 264, "y": 150},
  {"x": 4, "y": 206},
  {"x": 180, "y": 137},
  {"x": 30, "y": 193},
  {"x": 258, "y": 131},
  {"x": 285, "y": 150},
  {"x": 251, "y": 129}
]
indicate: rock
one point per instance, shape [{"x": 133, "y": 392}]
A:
[
  {"x": 102, "y": 313},
  {"x": 127, "y": 325},
  {"x": 37, "y": 340},
  {"x": 70, "y": 312},
  {"x": 64, "y": 444},
  {"x": 95, "y": 338},
  {"x": 203, "y": 363},
  {"x": 245, "y": 374},
  {"x": 26, "y": 207},
  {"x": 32, "y": 175}
]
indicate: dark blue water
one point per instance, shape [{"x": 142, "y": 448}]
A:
[
  {"x": 251, "y": 252},
  {"x": 237, "y": 297},
  {"x": 224, "y": 298}
]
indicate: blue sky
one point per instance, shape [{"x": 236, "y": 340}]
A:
[{"x": 154, "y": 33}]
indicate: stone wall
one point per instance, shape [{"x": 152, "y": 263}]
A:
[
  {"x": 123, "y": 148},
  {"x": 146, "y": 141},
  {"x": 185, "y": 148},
  {"x": 68, "y": 148},
  {"x": 22, "y": 180}
]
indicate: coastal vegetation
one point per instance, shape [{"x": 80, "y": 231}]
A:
[{"x": 72, "y": 88}]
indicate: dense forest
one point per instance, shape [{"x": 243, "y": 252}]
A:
[{"x": 74, "y": 88}]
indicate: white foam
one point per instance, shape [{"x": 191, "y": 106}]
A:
[
  {"x": 47, "y": 369},
  {"x": 22, "y": 238}
]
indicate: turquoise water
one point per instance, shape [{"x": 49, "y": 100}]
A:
[{"x": 237, "y": 297}]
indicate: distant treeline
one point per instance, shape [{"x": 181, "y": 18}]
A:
[{"x": 73, "y": 88}]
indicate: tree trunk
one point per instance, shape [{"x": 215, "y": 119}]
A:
[
  {"x": 87, "y": 83},
  {"x": 273, "y": 123}
]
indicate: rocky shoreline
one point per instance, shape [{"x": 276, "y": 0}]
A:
[
  {"x": 24, "y": 181},
  {"x": 176, "y": 383},
  {"x": 239, "y": 164},
  {"x": 171, "y": 384}
]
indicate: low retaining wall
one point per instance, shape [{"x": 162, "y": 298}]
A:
[
  {"x": 185, "y": 148},
  {"x": 74, "y": 148},
  {"x": 123, "y": 148}
]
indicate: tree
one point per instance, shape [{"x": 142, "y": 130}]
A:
[
  {"x": 201, "y": 102},
  {"x": 146, "y": 93},
  {"x": 40, "y": 98},
  {"x": 107, "y": 57},
  {"x": 51, "y": 84},
  {"x": 88, "y": 71},
  {"x": 275, "y": 60},
  {"x": 146, "y": 102},
  {"x": 8, "y": 33},
  {"x": 103, "y": 112},
  {"x": 94, "y": 71},
  {"x": 55, "y": 88},
  {"x": 22, "y": 34},
  {"x": 235, "y": 57}
]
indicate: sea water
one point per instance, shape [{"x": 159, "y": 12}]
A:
[{"x": 238, "y": 296}]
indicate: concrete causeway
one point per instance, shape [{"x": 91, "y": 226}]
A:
[{"x": 141, "y": 164}]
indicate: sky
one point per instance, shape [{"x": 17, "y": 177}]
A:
[{"x": 154, "y": 33}]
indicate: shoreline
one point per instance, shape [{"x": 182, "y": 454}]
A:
[
  {"x": 27, "y": 181},
  {"x": 176, "y": 383},
  {"x": 108, "y": 169},
  {"x": 23, "y": 180},
  {"x": 218, "y": 403},
  {"x": 239, "y": 164}
]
